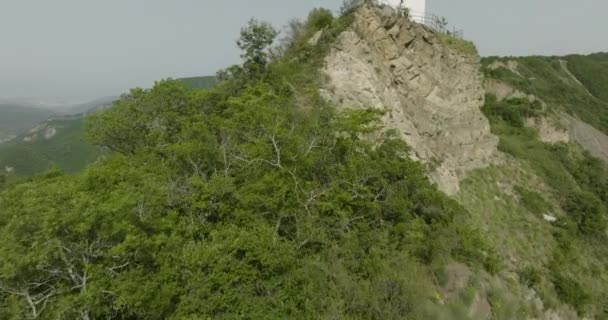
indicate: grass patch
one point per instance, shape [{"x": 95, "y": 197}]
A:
[
  {"x": 579, "y": 183},
  {"x": 463, "y": 46},
  {"x": 533, "y": 201},
  {"x": 592, "y": 72}
]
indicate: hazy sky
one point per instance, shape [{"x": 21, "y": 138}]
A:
[{"x": 83, "y": 49}]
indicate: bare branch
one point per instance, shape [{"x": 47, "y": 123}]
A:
[{"x": 113, "y": 269}]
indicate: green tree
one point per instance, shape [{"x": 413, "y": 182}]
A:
[
  {"x": 229, "y": 203},
  {"x": 255, "y": 42}
]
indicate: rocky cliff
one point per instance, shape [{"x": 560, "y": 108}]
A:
[{"x": 432, "y": 92}]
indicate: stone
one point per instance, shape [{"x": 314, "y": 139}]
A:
[
  {"x": 549, "y": 218},
  {"x": 314, "y": 40},
  {"x": 433, "y": 94},
  {"x": 547, "y": 131}
]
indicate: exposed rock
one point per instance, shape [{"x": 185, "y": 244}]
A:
[
  {"x": 565, "y": 129},
  {"x": 510, "y": 65},
  {"x": 547, "y": 131},
  {"x": 503, "y": 91},
  {"x": 549, "y": 218},
  {"x": 49, "y": 132},
  {"x": 314, "y": 40},
  {"x": 46, "y": 130},
  {"x": 432, "y": 93},
  {"x": 8, "y": 169}
]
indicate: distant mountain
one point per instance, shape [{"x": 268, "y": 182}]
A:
[
  {"x": 592, "y": 72},
  {"x": 56, "y": 139},
  {"x": 53, "y": 139},
  {"x": 199, "y": 82},
  {"x": 90, "y": 106},
  {"x": 14, "y": 119}
]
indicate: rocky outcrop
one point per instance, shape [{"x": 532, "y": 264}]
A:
[
  {"x": 44, "y": 130},
  {"x": 503, "y": 91},
  {"x": 432, "y": 93},
  {"x": 549, "y": 130}
]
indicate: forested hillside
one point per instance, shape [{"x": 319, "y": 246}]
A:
[
  {"x": 60, "y": 142},
  {"x": 56, "y": 142},
  {"x": 233, "y": 202},
  {"x": 14, "y": 119}
]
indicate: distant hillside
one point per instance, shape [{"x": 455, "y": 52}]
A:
[
  {"x": 575, "y": 84},
  {"x": 592, "y": 72},
  {"x": 55, "y": 142},
  {"x": 14, "y": 119},
  {"x": 90, "y": 106},
  {"x": 58, "y": 140},
  {"x": 199, "y": 82}
]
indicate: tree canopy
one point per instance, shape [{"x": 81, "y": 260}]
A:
[{"x": 233, "y": 202}]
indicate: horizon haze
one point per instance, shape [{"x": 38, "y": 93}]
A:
[{"x": 68, "y": 52}]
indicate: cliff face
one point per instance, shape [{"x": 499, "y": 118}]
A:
[{"x": 432, "y": 92}]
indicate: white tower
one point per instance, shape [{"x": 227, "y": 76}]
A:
[{"x": 417, "y": 7}]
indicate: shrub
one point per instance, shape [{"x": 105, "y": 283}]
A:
[
  {"x": 319, "y": 19},
  {"x": 533, "y": 201},
  {"x": 587, "y": 211},
  {"x": 571, "y": 292},
  {"x": 513, "y": 111},
  {"x": 530, "y": 276},
  {"x": 460, "y": 45}
]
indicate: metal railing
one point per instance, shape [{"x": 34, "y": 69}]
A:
[{"x": 436, "y": 23}]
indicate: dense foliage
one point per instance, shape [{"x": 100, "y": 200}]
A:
[
  {"x": 199, "y": 82},
  {"x": 250, "y": 200}
]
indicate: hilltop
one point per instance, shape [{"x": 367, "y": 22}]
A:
[{"x": 366, "y": 167}]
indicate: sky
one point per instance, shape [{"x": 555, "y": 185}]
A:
[{"x": 77, "y": 50}]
